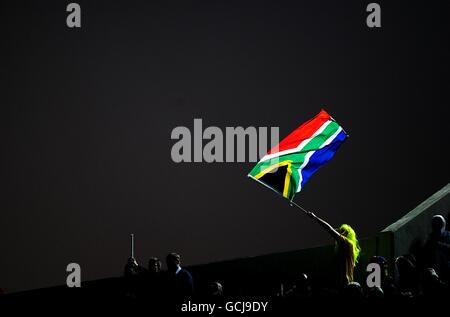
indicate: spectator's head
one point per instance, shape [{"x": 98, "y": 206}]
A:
[
  {"x": 350, "y": 234},
  {"x": 154, "y": 265},
  {"x": 302, "y": 279},
  {"x": 381, "y": 261},
  {"x": 132, "y": 262},
  {"x": 430, "y": 274},
  {"x": 131, "y": 268},
  {"x": 438, "y": 224},
  {"x": 302, "y": 286},
  {"x": 215, "y": 289},
  {"x": 432, "y": 284},
  {"x": 408, "y": 279},
  {"x": 173, "y": 261},
  {"x": 406, "y": 265},
  {"x": 375, "y": 292},
  {"x": 353, "y": 290}
]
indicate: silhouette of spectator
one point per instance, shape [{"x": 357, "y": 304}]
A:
[
  {"x": 387, "y": 282},
  {"x": 347, "y": 248},
  {"x": 375, "y": 293},
  {"x": 213, "y": 294},
  {"x": 381, "y": 261},
  {"x": 353, "y": 290},
  {"x": 133, "y": 274},
  {"x": 215, "y": 290},
  {"x": 153, "y": 284},
  {"x": 131, "y": 268},
  {"x": 408, "y": 279},
  {"x": 179, "y": 282},
  {"x": 437, "y": 248},
  {"x": 301, "y": 288},
  {"x": 154, "y": 266},
  {"x": 432, "y": 285}
]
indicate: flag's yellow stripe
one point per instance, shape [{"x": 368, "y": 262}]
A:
[
  {"x": 286, "y": 185},
  {"x": 287, "y": 180}
]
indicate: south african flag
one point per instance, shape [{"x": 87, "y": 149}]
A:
[{"x": 287, "y": 167}]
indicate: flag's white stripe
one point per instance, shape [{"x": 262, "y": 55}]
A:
[
  {"x": 308, "y": 156},
  {"x": 298, "y": 147}
]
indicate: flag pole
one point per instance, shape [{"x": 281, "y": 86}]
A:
[
  {"x": 132, "y": 245},
  {"x": 291, "y": 202}
]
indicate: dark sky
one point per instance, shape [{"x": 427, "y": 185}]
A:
[{"x": 86, "y": 118}]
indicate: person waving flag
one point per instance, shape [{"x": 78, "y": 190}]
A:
[{"x": 288, "y": 167}]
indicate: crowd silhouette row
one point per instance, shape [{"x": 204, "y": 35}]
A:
[{"x": 421, "y": 275}]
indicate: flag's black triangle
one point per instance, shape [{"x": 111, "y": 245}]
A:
[{"x": 276, "y": 178}]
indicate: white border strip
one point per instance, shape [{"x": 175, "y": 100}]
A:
[{"x": 298, "y": 147}]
